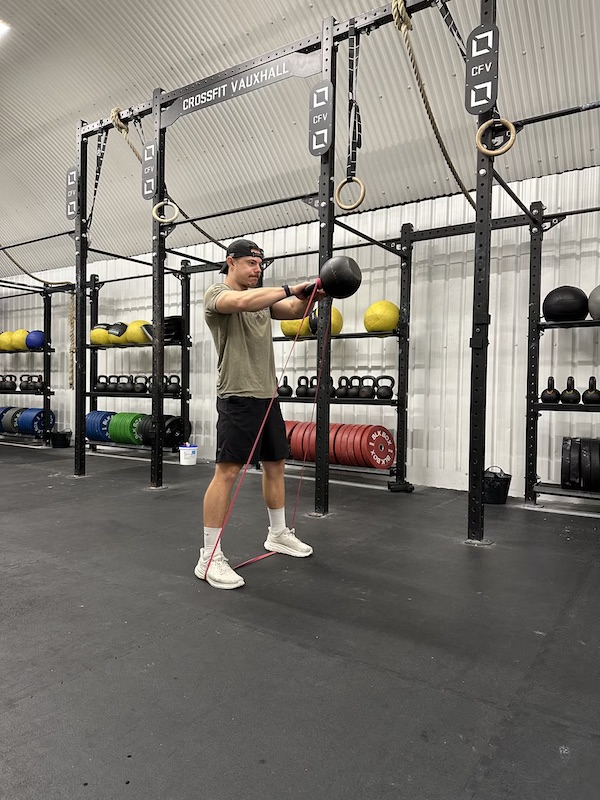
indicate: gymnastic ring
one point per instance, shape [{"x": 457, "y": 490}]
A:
[
  {"x": 506, "y": 146},
  {"x": 164, "y": 203},
  {"x": 361, "y": 196}
]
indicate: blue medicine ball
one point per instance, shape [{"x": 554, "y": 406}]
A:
[{"x": 35, "y": 340}]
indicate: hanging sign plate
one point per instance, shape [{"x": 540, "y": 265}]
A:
[
  {"x": 320, "y": 120},
  {"x": 72, "y": 181},
  {"x": 149, "y": 171},
  {"x": 481, "y": 85}
]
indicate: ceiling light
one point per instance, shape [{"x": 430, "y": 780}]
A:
[{"x": 4, "y": 28}]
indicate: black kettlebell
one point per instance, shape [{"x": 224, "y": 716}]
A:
[
  {"x": 332, "y": 391},
  {"x": 312, "y": 387},
  {"x": 101, "y": 384},
  {"x": 111, "y": 386},
  {"x": 302, "y": 388},
  {"x": 24, "y": 384},
  {"x": 10, "y": 383},
  {"x": 367, "y": 387},
  {"x": 342, "y": 389},
  {"x": 550, "y": 395},
  {"x": 591, "y": 396},
  {"x": 125, "y": 384},
  {"x": 353, "y": 386},
  {"x": 36, "y": 384},
  {"x": 385, "y": 392},
  {"x": 140, "y": 384},
  {"x": 570, "y": 396},
  {"x": 284, "y": 389},
  {"x": 172, "y": 385}
]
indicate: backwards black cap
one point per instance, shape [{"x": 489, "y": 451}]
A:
[{"x": 243, "y": 247}]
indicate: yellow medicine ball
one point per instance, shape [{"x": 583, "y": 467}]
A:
[
  {"x": 290, "y": 327},
  {"x": 337, "y": 321},
  {"x": 121, "y": 338},
  {"x": 382, "y": 316},
  {"x": 135, "y": 334},
  {"x": 18, "y": 339},
  {"x": 99, "y": 335},
  {"x": 6, "y": 340}
]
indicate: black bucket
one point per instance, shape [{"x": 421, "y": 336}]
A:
[
  {"x": 60, "y": 438},
  {"x": 496, "y": 484}
]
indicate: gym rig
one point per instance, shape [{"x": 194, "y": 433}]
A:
[{"x": 320, "y": 53}]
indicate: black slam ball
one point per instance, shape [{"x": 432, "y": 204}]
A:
[{"x": 565, "y": 304}]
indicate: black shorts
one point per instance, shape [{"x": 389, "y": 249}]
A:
[{"x": 238, "y": 425}]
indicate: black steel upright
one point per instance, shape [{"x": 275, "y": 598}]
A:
[
  {"x": 533, "y": 352},
  {"x": 159, "y": 232},
  {"x": 400, "y": 484},
  {"x": 326, "y": 227},
  {"x": 186, "y": 346},
  {"x": 47, "y": 297},
  {"x": 81, "y": 250},
  {"x": 481, "y": 317}
]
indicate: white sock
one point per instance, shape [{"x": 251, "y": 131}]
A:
[
  {"x": 276, "y": 519},
  {"x": 210, "y": 539}
]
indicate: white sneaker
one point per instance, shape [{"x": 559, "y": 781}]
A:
[
  {"x": 287, "y": 543},
  {"x": 220, "y": 575}
]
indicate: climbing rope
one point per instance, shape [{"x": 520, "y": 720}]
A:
[{"x": 403, "y": 23}]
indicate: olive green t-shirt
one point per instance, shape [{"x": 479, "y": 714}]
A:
[{"x": 246, "y": 364}]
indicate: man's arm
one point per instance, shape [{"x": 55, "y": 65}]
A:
[{"x": 257, "y": 299}]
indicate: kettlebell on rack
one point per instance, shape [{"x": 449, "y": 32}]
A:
[
  {"x": 591, "y": 396},
  {"x": 10, "y": 383},
  {"x": 367, "y": 387},
  {"x": 353, "y": 386},
  {"x": 550, "y": 394},
  {"x": 125, "y": 383},
  {"x": 312, "y": 387},
  {"x": 302, "y": 388},
  {"x": 385, "y": 392},
  {"x": 36, "y": 383},
  {"x": 332, "y": 389},
  {"x": 140, "y": 384},
  {"x": 24, "y": 384},
  {"x": 101, "y": 384},
  {"x": 284, "y": 389},
  {"x": 342, "y": 388},
  {"x": 570, "y": 396},
  {"x": 111, "y": 386},
  {"x": 172, "y": 385}
]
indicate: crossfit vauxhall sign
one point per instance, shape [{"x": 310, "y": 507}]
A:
[
  {"x": 203, "y": 95},
  {"x": 481, "y": 85}
]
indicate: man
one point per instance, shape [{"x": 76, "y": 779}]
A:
[{"x": 239, "y": 317}]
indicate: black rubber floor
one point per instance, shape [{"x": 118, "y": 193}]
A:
[{"x": 395, "y": 663}]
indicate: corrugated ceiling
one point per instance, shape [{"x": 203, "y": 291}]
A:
[{"x": 64, "y": 61}]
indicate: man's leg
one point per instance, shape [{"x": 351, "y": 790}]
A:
[
  {"x": 280, "y": 538},
  {"x": 212, "y": 565}
]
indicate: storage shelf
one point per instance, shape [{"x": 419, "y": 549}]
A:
[
  {"x": 584, "y": 323},
  {"x": 129, "y": 346},
  {"x": 341, "y": 467},
  {"x": 18, "y": 391},
  {"x": 348, "y": 401},
  {"x": 142, "y": 395},
  {"x": 29, "y": 350},
  {"x": 381, "y": 335},
  {"x": 579, "y": 407},
  {"x": 556, "y": 489}
]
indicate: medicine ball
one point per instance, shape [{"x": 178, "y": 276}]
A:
[
  {"x": 19, "y": 338},
  {"x": 136, "y": 333},
  {"x": 35, "y": 340},
  {"x": 382, "y": 316},
  {"x": 594, "y": 303},
  {"x": 565, "y": 304},
  {"x": 6, "y": 340},
  {"x": 99, "y": 335},
  {"x": 340, "y": 276},
  {"x": 290, "y": 327},
  {"x": 337, "y": 321}
]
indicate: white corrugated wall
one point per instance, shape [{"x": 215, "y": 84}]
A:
[{"x": 440, "y": 356}]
